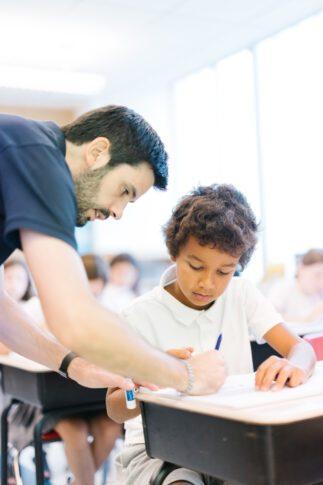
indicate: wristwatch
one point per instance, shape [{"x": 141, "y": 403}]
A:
[{"x": 65, "y": 363}]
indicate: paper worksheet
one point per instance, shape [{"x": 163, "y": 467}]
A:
[{"x": 239, "y": 392}]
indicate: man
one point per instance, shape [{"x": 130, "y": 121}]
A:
[{"x": 52, "y": 179}]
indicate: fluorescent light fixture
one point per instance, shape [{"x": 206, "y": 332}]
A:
[{"x": 68, "y": 82}]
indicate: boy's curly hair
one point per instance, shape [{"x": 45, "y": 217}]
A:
[{"x": 216, "y": 215}]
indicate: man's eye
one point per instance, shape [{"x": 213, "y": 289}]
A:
[
  {"x": 195, "y": 267},
  {"x": 125, "y": 191}
]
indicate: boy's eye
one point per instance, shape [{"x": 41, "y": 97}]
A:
[
  {"x": 221, "y": 273},
  {"x": 195, "y": 268}
]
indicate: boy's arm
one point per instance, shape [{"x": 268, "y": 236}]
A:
[
  {"x": 117, "y": 408},
  {"x": 296, "y": 366},
  {"x": 95, "y": 333}
]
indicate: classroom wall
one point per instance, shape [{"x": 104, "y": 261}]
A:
[
  {"x": 139, "y": 230},
  {"x": 60, "y": 116}
]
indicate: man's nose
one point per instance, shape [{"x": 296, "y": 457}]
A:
[{"x": 117, "y": 211}]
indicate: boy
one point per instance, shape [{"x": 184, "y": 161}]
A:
[{"x": 211, "y": 233}]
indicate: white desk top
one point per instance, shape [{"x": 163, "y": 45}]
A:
[
  {"x": 301, "y": 328},
  {"x": 286, "y": 406},
  {"x": 16, "y": 360}
]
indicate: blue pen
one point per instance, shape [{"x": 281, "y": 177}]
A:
[
  {"x": 130, "y": 398},
  {"x": 218, "y": 343}
]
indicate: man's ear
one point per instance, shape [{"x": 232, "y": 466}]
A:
[
  {"x": 97, "y": 153},
  {"x": 173, "y": 259}
]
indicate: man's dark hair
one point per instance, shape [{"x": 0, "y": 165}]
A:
[
  {"x": 132, "y": 139},
  {"x": 95, "y": 267},
  {"x": 216, "y": 215}
]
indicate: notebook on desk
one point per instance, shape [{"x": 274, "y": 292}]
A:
[{"x": 239, "y": 392}]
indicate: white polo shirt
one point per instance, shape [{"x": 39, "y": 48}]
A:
[{"x": 169, "y": 324}]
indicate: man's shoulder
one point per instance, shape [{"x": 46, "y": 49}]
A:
[{"x": 17, "y": 131}]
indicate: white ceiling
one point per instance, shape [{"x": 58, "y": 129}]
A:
[{"x": 136, "y": 44}]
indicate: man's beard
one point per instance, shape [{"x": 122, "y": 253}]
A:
[{"x": 87, "y": 185}]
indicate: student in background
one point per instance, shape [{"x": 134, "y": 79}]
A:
[
  {"x": 97, "y": 270},
  {"x": 301, "y": 299},
  {"x": 122, "y": 286},
  {"x": 19, "y": 286},
  {"x": 211, "y": 233},
  {"x": 84, "y": 457},
  {"x": 17, "y": 280},
  {"x": 89, "y": 439}
]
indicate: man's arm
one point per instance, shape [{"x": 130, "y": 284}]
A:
[
  {"x": 95, "y": 333},
  {"x": 19, "y": 333}
]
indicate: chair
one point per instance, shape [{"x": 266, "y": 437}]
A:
[
  {"x": 163, "y": 472},
  {"x": 39, "y": 436},
  {"x": 316, "y": 341}
]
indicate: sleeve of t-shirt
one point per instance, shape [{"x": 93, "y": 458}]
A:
[
  {"x": 261, "y": 314},
  {"x": 38, "y": 193}
]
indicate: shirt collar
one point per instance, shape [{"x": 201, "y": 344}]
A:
[{"x": 181, "y": 312}]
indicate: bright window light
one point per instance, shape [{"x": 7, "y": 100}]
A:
[{"x": 51, "y": 81}]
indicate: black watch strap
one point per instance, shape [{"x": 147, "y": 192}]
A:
[{"x": 65, "y": 363}]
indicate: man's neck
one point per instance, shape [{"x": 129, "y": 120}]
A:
[{"x": 74, "y": 157}]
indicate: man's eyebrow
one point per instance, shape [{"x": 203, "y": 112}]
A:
[{"x": 133, "y": 190}]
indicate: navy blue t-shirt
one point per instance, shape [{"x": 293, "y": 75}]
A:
[{"x": 36, "y": 186}]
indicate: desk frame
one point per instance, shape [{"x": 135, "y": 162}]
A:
[
  {"x": 238, "y": 451},
  {"x": 56, "y": 396}
]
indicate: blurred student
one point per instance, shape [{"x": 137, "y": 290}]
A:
[
  {"x": 122, "y": 286},
  {"x": 211, "y": 233},
  {"x": 84, "y": 457},
  {"x": 97, "y": 270},
  {"x": 301, "y": 298},
  {"x": 17, "y": 280},
  {"x": 89, "y": 439}
]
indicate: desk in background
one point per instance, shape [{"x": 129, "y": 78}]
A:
[
  {"x": 274, "y": 444},
  {"x": 57, "y": 397},
  {"x": 261, "y": 352}
]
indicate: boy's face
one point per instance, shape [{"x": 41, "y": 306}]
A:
[{"x": 203, "y": 273}]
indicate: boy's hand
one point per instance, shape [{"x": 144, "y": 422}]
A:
[
  {"x": 280, "y": 370},
  {"x": 183, "y": 353}
]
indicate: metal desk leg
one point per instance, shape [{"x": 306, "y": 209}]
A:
[
  {"x": 38, "y": 444},
  {"x": 4, "y": 442}
]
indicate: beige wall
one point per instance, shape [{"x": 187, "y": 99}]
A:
[{"x": 59, "y": 116}]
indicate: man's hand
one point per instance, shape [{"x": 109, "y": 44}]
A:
[
  {"x": 89, "y": 375},
  {"x": 209, "y": 372}
]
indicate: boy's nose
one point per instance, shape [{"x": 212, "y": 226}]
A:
[{"x": 207, "y": 282}]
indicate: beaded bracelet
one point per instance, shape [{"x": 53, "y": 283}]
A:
[{"x": 191, "y": 378}]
